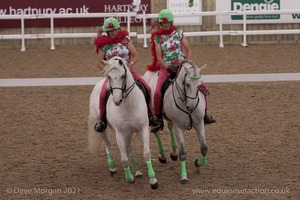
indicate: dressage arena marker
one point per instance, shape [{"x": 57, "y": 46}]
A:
[{"x": 227, "y": 78}]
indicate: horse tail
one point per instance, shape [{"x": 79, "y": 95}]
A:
[{"x": 95, "y": 143}]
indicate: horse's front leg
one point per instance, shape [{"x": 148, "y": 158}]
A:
[
  {"x": 200, "y": 131},
  {"x": 121, "y": 141},
  {"x": 147, "y": 155},
  {"x": 135, "y": 170},
  {"x": 110, "y": 160},
  {"x": 173, "y": 153},
  {"x": 182, "y": 154}
]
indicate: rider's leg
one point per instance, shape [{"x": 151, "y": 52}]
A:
[
  {"x": 153, "y": 121},
  {"x": 208, "y": 119},
  {"x": 158, "y": 101},
  {"x": 102, "y": 124}
]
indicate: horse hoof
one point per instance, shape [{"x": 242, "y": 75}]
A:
[
  {"x": 197, "y": 163},
  {"x": 154, "y": 186},
  {"x": 113, "y": 172},
  {"x": 131, "y": 181},
  {"x": 138, "y": 175},
  {"x": 173, "y": 157},
  {"x": 184, "y": 181},
  {"x": 162, "y": 159}
]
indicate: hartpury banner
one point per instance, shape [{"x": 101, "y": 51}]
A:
[
  {"x": 256, "y": 5},
  {"x": 40, "y": 7}
]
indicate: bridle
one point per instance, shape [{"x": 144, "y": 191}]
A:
[
  {"x": 183, "y": 96},
  {"x": 125, "y": 91}
]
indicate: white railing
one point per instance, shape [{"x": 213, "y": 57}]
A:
[
  {"x": 53, "y": 35},
  {"x": 145, "y": 16},
  {"x": 221, "y": 32}
]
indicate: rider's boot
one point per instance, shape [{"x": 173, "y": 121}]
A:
[
  {"x": 101, "y": 125},
  {"x": 158, "y": 123},
  {"x": 208, "y": 119},
  {"x": 155, "y": 123}
]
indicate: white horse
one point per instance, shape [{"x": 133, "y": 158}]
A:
[
  {"x": 126, "y": 113},
  {"x": 183, "y": 108}
]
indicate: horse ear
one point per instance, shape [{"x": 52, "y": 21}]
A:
[
  {"x": 105, "y": 62},
  {"x": 121, "y": 62},
  {"x": 202, "y": 68}
]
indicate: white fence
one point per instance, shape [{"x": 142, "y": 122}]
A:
[{"x": 145, "y": 16}]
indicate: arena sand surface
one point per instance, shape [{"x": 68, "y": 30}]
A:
[{"x": 253, "y": 150}]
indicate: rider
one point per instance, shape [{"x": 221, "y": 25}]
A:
[
  {"x": 117, "y": 42},
  {"x": 169, "y": 47}
]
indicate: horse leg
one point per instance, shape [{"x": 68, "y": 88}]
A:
[
  {"x": 203, "y": 146},
  {"x": 182, "y": 155},
  {"x": 110, "y": 160},
  {"x": 136, "y": 172},
  {"x": 173, "y": 153},
  {"x": 121, "y": 141},
  {"x": 147, "y": 155},
  {"x": 161, "y": 157}
]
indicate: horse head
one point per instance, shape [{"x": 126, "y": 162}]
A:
[
  {"x": 116, "y": 73},
  {"x": 189, "y": 78}
]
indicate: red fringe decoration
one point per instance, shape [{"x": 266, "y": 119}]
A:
[
  {"x": 154, "y": 66},
  {"x": 104, "y": 40}
]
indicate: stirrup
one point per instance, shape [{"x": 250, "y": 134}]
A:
[{"x": 100, "y": 126}]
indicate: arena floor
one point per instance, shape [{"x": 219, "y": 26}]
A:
[{"x": 253, "y": 151}]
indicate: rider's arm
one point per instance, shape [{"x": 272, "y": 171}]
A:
[
  {"x": 134, "y": 55},
  {"x": 100, "y": 57},
  {"x": 159, "y": 55},
  {"x": 187, "y": 48}
]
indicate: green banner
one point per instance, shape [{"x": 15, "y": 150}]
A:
[{"x": 255, "y": 5}]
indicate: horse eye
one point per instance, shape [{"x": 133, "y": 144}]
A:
[
  {"x": 123, "y": 77},
  {"x": 188, "y": 85}
]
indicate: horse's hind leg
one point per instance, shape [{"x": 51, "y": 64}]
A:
[
  {"x": 110, "y": 160},
  {"x": 161, "y": 157},
  {"x": 147, "y": 155}
]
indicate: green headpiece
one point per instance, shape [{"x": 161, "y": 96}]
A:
[
  {"x": 165, "y": 15},
  {"x": 110, "y": 24}
]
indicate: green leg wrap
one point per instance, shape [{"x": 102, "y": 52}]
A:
[
  {"x": 110, "y": 161},
  {"x": 173, "y": 141},
  {"x": 151, "y": 172},
  {"x": 203, "y": 160},
  {"x": 132, "y": 162},
  {"x": 160, "y": 146},
  {"x": 183, "y": 169},
  {"x": 128, "y": 175}
]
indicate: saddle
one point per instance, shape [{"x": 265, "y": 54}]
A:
[{"x": 144, "y": 90}]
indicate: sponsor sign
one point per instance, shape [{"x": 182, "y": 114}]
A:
[
  {"x": 40, "y": 7},
  {"x": 182, "y": 7},
  {"x": 259, "y": 5}
]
